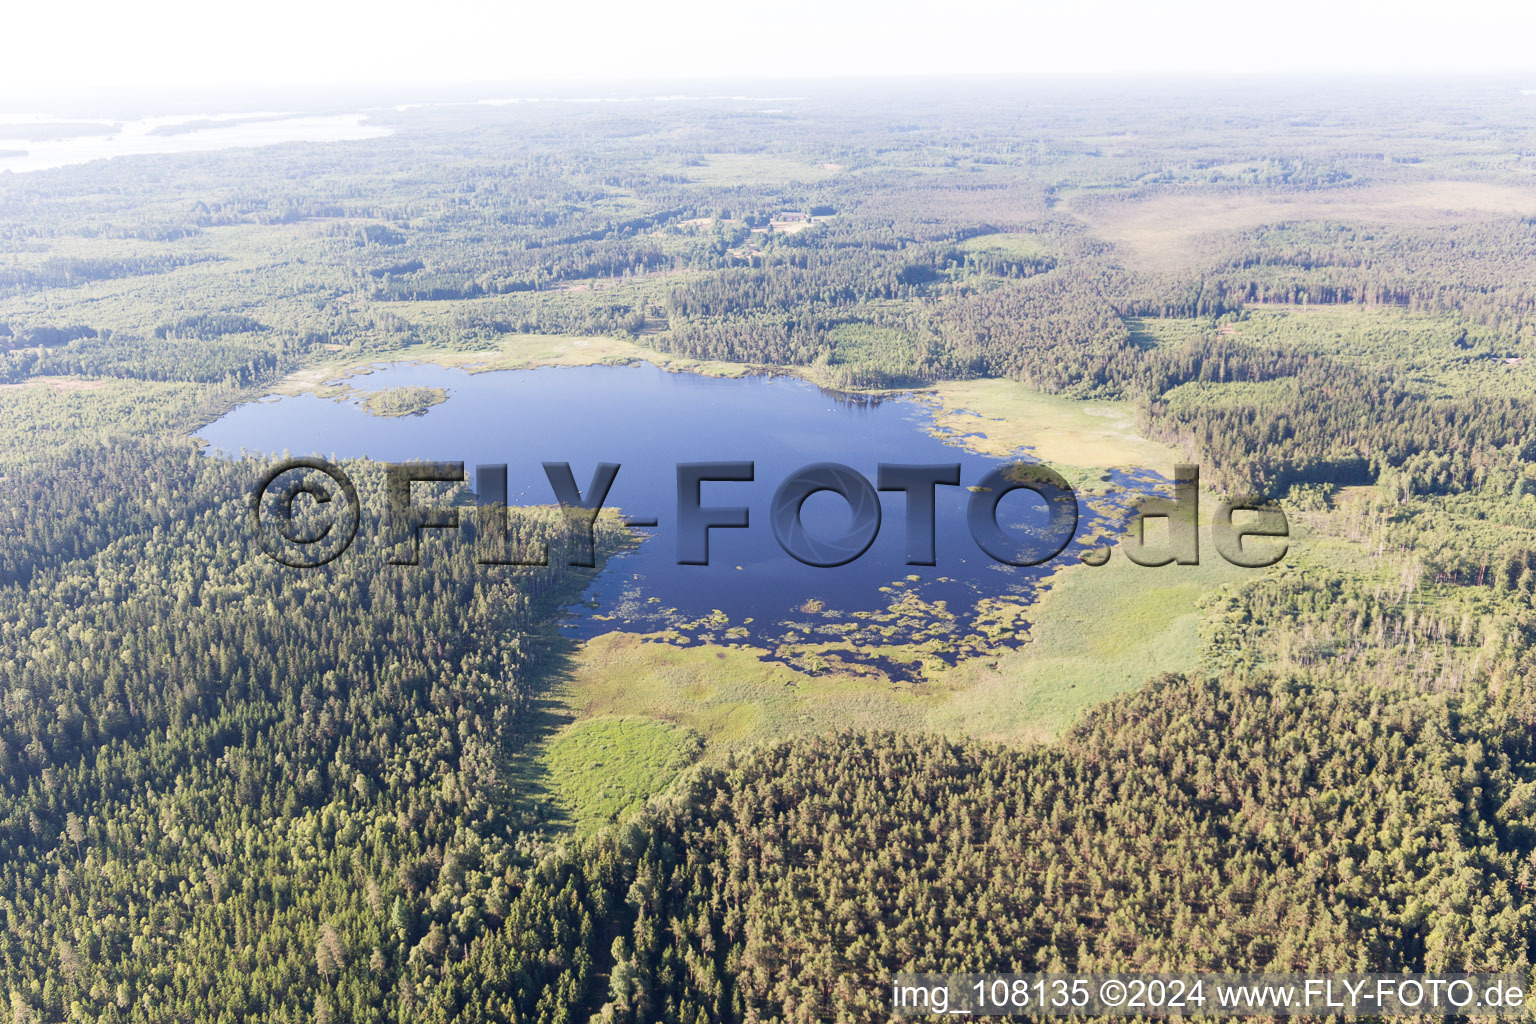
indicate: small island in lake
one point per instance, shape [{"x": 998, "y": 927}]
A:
[{"x": 404, "y": 401}]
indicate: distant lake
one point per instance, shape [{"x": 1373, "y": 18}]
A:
[
  {"x": 648, "y": 420},
  {"x": 36, "y": 143}
]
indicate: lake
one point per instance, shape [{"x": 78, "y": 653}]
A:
[
  {"x": 648, "y": 420},
  {"x": 38, "y": 143}
]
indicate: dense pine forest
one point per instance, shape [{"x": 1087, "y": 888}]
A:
[{"x": 231, "y": 791}]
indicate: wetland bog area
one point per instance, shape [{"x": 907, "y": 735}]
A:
[{"x": 876, "y": 612}]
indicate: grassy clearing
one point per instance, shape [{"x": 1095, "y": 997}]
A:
[
  {"x": 1164, "y": 233},
  {"x": 602, "y": 769},
  {"x": 727, "y": 694},
  {"x": 1008, "y": 243},
  {"x": 1167, "y": 331},
  {"x": 1437, "y": 355},
  {"x": 757, "y": 169},
  {"x": 1098, "y": 632},
  {"x": 1061, "y": 432}
]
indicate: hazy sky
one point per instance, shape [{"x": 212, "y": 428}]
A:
[{"x": 193, "y": 44}]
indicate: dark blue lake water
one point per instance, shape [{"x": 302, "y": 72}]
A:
[{"x": 648, "y": 420}]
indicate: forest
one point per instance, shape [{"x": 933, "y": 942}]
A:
[{"x": 230, "y": 791}]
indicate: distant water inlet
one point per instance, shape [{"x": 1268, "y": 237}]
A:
[
  {"x": 38, "y": 143},
  {"x": 875, "y": 611}
]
